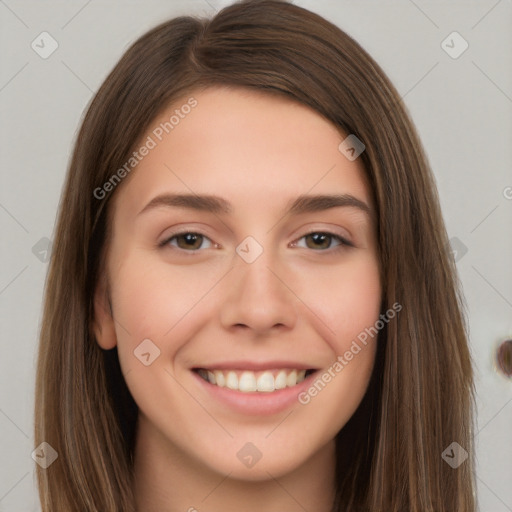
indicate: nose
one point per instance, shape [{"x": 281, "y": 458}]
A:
[{"x": 259, "y": 297}]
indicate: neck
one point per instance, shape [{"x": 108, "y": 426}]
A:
[{"x": 169, "y": 480}]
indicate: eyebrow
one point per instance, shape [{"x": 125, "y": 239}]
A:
[{"x": 215, "y": 204}]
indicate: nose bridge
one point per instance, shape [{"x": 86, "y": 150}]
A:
[
  {"x": 256, "y": 294},
  {"x": 257, "y": 278}
]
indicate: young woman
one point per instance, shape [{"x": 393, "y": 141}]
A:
[{"x": 250, "y": 305}]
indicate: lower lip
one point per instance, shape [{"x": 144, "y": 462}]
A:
[{"x": 256, "y": 403}]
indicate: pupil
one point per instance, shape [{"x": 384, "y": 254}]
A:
[
  {"x": 190, "y": 239},
  {"x": 318, "y": 238}
]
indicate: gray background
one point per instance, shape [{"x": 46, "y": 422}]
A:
[{"x": 462, "y": 108}]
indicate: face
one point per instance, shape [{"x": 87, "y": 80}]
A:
[{"x": 234, "y": 290}]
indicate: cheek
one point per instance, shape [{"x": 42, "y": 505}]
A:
[
  {"x": 359, "y": 304},
  {"x": 346, "y": 297},
  {"x": 157, "y": 310},
  {"x": 351, "y": 308},
  {"x": 155, "y": 301}
]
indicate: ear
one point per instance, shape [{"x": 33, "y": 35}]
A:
[{"x": 103, "y": 323}]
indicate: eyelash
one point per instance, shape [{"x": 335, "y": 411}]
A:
[{"x": 344, "y": 243}]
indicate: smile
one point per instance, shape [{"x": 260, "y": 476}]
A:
[{"x": 246, "y": 381}]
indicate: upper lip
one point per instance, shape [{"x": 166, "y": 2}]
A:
[{"x": 255, "y": 366}]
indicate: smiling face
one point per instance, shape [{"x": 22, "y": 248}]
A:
[{"x": 223, "y": 266}]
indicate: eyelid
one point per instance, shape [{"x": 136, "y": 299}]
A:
[
  {"x": 182, "y": 229},
  {"x": 344, "y": 242},
  {"x": 185, "y": 231},
  {"x": 317, "y": 227}
]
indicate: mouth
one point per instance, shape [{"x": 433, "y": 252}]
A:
[{"x": 245, "y": 381}]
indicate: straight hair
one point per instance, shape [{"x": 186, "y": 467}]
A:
[{"x": 420, "y": 397}]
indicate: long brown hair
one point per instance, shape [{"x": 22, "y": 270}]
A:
[{"x": 420, "y": 398}]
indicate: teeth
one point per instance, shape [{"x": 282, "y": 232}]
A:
[
  {"x": 266, "y": 382},
  {"x": 232, "y": 381},
  {"x": 219, "y": 377},
  {"x": 280, "y": 380},
  {"x": 247, "y": 382},
  {"x": 291, "y": 380}
]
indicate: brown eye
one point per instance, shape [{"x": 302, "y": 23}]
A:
[
  {"x": 187, "y": 241},
  {"x": 323, "y": 240},
  {"x": 318, "y": 240}
]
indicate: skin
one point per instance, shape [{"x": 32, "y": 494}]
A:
[{"x": 307, "y": 302}]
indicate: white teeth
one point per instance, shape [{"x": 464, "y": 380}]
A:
[
  {"x": 247, "y": 381},
  {"x": 291, "y": 380},
  {"x": 280, "y": 380},
  {"x": 232, "y": 381},
  {"x": 219, "y": 377},
  {"x": 266, "y": 382}
]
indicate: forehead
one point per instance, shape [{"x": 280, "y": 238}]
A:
[{"x": 245, "y": 145}]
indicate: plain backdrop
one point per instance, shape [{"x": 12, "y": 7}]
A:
[{"x": 460, "y": 103}]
